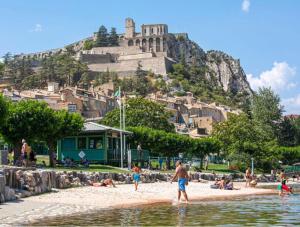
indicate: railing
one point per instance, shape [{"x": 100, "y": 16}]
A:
[{"x": 115, "y": 155}]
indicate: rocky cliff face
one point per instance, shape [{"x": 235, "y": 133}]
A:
[{"x": 226, "y": 70}]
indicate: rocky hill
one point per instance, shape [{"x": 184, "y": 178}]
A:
[{"x": 211, "y": 75}]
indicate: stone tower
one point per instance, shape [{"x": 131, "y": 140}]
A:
[{"x": 130, "y": 28}]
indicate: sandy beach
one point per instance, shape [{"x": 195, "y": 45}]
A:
[{"x": 87, "y": 199}]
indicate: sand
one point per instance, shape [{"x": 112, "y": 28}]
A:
[{"x": 86, "y": 199}]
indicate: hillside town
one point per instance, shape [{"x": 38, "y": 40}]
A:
[{"x": 190, "y": 116}]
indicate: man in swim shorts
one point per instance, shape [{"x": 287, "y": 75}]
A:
[
  {"x": 136, "y": 176},
  {"x": 183, "y": 178}
]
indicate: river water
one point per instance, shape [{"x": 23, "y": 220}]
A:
[{"x": 249, "y": 211}]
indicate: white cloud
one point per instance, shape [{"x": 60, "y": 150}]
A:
[
  {"x": 37, "y": 28},
  {"x": 278, "y": 78},
  {"x": 246, "y": 5},
  {"x": 292, "y": 104}
]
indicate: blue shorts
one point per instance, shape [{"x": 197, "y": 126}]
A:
[
  {"x": 136, "y": 177},
  {"x": 181, "y": 184}
]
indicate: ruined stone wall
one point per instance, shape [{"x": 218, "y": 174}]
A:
[
  {"x": 96, "y": 58},
  {"x": 121, "y": 50},
  {"x": 136, "y": 56},
  {"x": 158, "y": 65}
]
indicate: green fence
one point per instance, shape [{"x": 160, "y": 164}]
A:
[{"x": 293, "y": 169}]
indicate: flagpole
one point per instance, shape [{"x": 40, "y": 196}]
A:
[
  {"x": 124, "y": 141},
  {"x": 121, "y": 134}
]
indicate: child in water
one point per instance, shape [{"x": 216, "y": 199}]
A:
[
  {"x": 284, "y": 189},
  {"x": 136, "y": 176}
]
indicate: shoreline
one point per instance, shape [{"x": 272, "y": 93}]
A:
[{"x": 88, "y": 199}]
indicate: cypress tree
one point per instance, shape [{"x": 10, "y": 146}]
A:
[
  {"x": 113, "y": 37},
  {"x": 102, "y": 37}
]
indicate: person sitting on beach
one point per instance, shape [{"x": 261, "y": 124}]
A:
[
  {"x": 67, "y": 162},
  {"x": 84, "y": 162},
  {"x": 136, "y": 176},
  {"x": 73, "y": 164},
  {"x": 215, "y": 185},
  {"x": 248, "y": 177},
  {"x": 183, "y": 177},
  {"x": 221, "y": 183}
]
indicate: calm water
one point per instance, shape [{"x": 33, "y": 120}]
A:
[{"x": 253, "y": 211}]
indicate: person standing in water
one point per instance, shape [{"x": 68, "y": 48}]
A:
[
  {"x": 136, "y": 176},
  {"x": 183, "y": 178},
  {"x": 248, "y": 177}
]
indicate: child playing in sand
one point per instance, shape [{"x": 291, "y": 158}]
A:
[{"x": 136, "y": 176}]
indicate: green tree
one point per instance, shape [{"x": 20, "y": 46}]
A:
[
  {"x": 142, "y": 85},
  {"x": 102, "y": 37},
  {"x": 267, "y": 112},
  {"x": 1, "y": 69},
  {"x": 296, "y": 123},
  {"x": 7, "y": 58},
  {"x": 113, "y": 38},
  {"x": 66, "y": 124},
  {"x": 3, "y": 109},
  {"x": 88, "y": 45},
  {"x": 141, "y": 112},
  {"x": 31, "y": 120},
  {"x": 36, "y": 122},
  {"x": 170, "y": 144},
  {"x": 287, "y": 133},
  {"x": 62, "y": 68},
  {"x": 241, "y": 139}
]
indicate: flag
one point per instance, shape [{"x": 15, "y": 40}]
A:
[
  {"x": 118, "y": 96},
  {"x": 117, "y": 93}
]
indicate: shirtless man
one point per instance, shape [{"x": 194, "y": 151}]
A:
[
  {"x": 183, "y": 178},
  {"x": 248, "y": 177}
]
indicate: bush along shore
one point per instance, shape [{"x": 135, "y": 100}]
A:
[{"x": 18, "y": 182}]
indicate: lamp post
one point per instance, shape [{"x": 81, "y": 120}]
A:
[{"x": 252, "y": 166}]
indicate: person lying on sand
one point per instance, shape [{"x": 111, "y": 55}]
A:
[{"x": 105, "y": 183}]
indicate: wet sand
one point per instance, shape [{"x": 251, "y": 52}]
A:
[{"x": 89, "y": 199}]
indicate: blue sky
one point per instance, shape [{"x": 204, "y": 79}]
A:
[{"x": 263, "y": 34}]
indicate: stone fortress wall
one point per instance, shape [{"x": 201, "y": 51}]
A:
[
  {"x": 152, "y": 48},
  {"x": 158, "y": 65}
]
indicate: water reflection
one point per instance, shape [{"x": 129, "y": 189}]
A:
[
  {"x": 253, "y": 211},
  {"x": 181, "y": 214}
]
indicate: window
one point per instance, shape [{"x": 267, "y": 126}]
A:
[
  {"x": 130, "y": 42},
  {"x": 72, "y": 108},
  {"x": 81, "y": 143},
  {"x": 95, "y": 143}
]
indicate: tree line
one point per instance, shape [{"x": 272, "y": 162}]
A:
[
  {"x": 262, "y": 133},
  {"x": 59, "y": 67}
]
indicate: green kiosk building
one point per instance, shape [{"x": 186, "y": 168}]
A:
[{"x": 98, "y": 144}]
